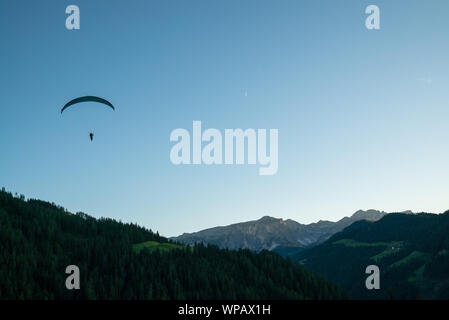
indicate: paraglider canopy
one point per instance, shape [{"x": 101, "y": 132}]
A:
[{"x": 87, "y": 99}]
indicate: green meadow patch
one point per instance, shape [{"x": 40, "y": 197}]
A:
[
  {"x": 390, "y": 247},
  {"x": 415, "y": 255},
  {"x": 418, "y": 275},
  {"x": 154, "y": 245},
  {"x": 356, "y": 244},
  {"x": 383, "y": 254}
]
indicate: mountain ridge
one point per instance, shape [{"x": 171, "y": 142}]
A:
[{"x": 270, "y": 233}]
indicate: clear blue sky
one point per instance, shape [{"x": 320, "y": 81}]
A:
[{"x": 362, "y": 115}]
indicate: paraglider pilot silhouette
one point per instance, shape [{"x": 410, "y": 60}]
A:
[{"x": 87, "y": 99}]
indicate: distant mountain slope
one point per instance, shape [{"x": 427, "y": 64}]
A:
[
  {"x": 283, "y": 236},
  {"x": 38, "y": 240},
  {"x": 412, "y": 252}
]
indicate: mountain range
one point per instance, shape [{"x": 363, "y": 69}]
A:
[
  {"x": 125, "y": 261},
  {"x": 411, "y": 250},
  {"x": 283, "y": 236}
]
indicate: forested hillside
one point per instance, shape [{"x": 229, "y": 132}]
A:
[
  {"x": 411, "y": 251},
  {"x": 124, "y": 261}
]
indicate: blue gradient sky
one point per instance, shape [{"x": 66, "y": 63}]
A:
[{"x": 362, "y": 115}]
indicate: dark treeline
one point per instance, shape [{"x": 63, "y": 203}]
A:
[{"x": 39, "y": 239}]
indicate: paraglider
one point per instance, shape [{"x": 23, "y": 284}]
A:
[{"x": 88, "y": 99}]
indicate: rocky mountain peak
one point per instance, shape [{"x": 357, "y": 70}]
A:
[{"x": 270, "y": 233}]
